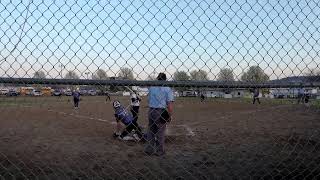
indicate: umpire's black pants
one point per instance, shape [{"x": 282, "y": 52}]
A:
[{"x": 156, "y": 132}]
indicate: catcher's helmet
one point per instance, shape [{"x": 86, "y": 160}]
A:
[{"x": 116, "y": 104}]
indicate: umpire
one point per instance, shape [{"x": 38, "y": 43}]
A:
[{"x": 160, "y": 110}]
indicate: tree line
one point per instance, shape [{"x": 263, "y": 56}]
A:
[
  {"x": 100, "y": 74},
  {"x": 254, "y": 74}
]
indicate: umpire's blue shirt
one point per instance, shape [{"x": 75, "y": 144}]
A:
[{"x": 159, "y": 96}]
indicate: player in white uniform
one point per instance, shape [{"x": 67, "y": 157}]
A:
[{"x": 135, "y": 105}]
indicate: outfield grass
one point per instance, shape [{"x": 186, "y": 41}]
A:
[
  {"x": 28, "y": 101},
  {"x": 316, "y": 103}
]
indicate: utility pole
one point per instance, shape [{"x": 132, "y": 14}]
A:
[{"x": 62, "y": 67}]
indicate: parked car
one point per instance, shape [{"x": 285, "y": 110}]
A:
[
  {"x": 189, "y": 94},
  {"x": 56, "y": 92},
  {"x": 92, "y": 92},
  {"x": 99, "y": 92},
  {"x": 83, "y": 92},
  {"x": 12, "y": 93},
  {"x": 4, "y": 91},
  {"x": 68, "y": 93},
  {"x": 37, "y": 93},
  {"x": 29, "y": 93},
  {"x": 280, "y": 96}
]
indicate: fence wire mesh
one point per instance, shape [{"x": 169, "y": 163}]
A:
[{"x": 241, "y": 90}]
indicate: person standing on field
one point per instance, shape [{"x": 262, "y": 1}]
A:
[
  {"x": 256, "y": 95},
  {"x": 202, "y": 97},
  {"x": 301, "y": 95},
  {"x": 76, "y": 98},
  {"x": 135, "y": 105},
  {"x": 160, "y": 102},
  {"x": 108, "y": 96}
]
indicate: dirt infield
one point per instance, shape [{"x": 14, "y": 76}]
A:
[{"x": 46, "y": 138}]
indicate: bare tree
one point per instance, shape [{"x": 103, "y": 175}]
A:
[
  {"x": 255, "y": 74},
  {"x": 226, "y": 74},
  {"x": 126, "y": 73},
  {"x": 71, "y": 75},
  {"x": 181, "y": 76},
  {"x": 199, "y": 75},
  {"x": 100, "y": 75},
  {"x": 39, "y": 74}
]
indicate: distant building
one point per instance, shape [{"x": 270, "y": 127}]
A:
[
  {"x": 217, "y": 93},
  {"x": 213, "y": 93},
  {"x": 293, "y": 92},
  {"x": 240, "y": 93}
]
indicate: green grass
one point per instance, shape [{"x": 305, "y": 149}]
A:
[
  {"x": 28, "y": 101},
  {"x": 19, "y": 102},
  {"x": 265, "y": 101},
  {"x": 25, "y": 100},
  {"x": 316, "y": 103}
]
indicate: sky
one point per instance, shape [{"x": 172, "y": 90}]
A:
[{"x": 282, "y": 37}]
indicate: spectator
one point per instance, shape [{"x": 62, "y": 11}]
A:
[{"x": 160, "y": 110}]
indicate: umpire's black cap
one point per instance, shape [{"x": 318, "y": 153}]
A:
[{"x": 162, "y": 77}]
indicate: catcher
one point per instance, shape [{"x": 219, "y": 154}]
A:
[{"x": 121, "y": 114}]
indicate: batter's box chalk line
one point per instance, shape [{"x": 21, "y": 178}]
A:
[{"x": 82, "y": 116}]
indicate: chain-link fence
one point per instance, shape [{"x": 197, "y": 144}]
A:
[{"x": 243, "y": 101}]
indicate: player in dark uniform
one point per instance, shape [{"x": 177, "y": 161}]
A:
[
  {"x": 108, "y": 96},
  {"x": 76, "y": 99},
  {"x": 202, "y": 97},
  {"x": 121, "y": 114},
  {"x": 301, "y": 95},
  {"x": 306, "y": 98},
  {"x": 256, "y": 95}
]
